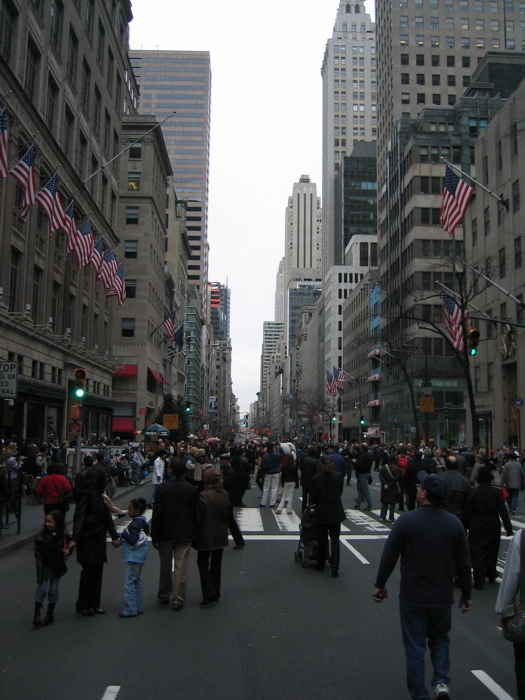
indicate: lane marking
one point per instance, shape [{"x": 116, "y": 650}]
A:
[
  {"x": 111, "y": 692},
  {"x": 354, "y": 551},
  {"x": 294, "y": 538},
  {"x": 250, "y": 519},
  {"x": 362, "y": 519},
  {"x": 492, "y": 685}
]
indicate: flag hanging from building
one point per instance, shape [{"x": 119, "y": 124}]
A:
[
  {"x": 169, "y": 325},
  {"x": 4, "y": 171},
  {"x": 339, "y": 380},
  {"x": 51, "y": 203},
  {"x": 24, "y": 174},
  {"x": 108, "y": 270},
  {"x": 119, "y": 286},
  {"x": 330, "y": 384},
  {"x": 456, "y": 196},
  {"x": 453, "y": 322},
  {"x": 97, "y": 256},
  {"x": 178, "y": 337},
  {"x": 84, "y": 244},
  {"x": 69, "y": 226}
]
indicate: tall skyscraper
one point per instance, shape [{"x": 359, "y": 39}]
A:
[
  {"x": 181, "y": 81},
  {"x": 219, "y": 299},
  {"x": 271, "y": 335},
  {"x": 349, "y": 105},
  {"x": 279, "y": 293}
]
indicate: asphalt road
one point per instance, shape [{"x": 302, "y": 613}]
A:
[{"x": 279, "y": 629}]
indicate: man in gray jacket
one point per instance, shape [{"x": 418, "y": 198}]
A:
[{"x": 513, "y": 479}]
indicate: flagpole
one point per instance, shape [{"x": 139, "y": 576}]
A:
[
  {"x": 494, "y": 284},
  {"x": 498, "y": 198},
  {"x": 102, "y": 167}
]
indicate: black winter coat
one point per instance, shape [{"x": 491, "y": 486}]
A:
[
  {"x": 174, "y": 511},
  {"x": 325, "y": 494},
  {"x": 49, "y": 555},
  {"x": 308, "y": 466},
  {"x": 92, "y": 521},
  {"x": 483, "y": 510}
]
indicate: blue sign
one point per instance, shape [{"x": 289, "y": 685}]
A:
[{"x": 518, "y": 403}]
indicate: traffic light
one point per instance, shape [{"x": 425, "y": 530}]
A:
[
  {"x": 74, "y": 412},
  {"x": 187, "y": 406},
  {"x": 80, "y": 375},
  {"x": 473, "y": 340},
  {"x": 362, "y": 420}
]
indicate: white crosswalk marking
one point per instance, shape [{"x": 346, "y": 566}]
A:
[
  {"x": 358, "y": 517},
  {"x": 288, "y": 522},
  {"x": 250, "y": 520}
]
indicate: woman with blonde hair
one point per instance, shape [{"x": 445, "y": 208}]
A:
[{"x": 213, "y": 510}]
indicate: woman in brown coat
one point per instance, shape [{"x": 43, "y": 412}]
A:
[
  {"x": 389, "y": 477},
  {"x": 212, "y": 525}
]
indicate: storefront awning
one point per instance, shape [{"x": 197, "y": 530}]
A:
[
  {"x": 374, "y": 353},
  {"x": 164, "y": 379},
  {"x": 127, "y": 371},
  {"x": 372, "y": 432},
  {"x": 374, "y": 378},
  {"x": 121, "y": 424},
  {"x": 156, "y": 376},
  {"x": 375, "y": 402}
]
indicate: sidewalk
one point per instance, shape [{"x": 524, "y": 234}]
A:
[{"x": 32, "y": 519}]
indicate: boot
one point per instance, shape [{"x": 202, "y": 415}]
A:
[
  {"x": 36, "y": 619},
  {"x": 48, "y": 619}
]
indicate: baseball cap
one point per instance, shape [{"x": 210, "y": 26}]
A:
[{"x": 435, "y": 487}]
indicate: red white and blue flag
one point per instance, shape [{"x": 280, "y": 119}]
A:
[
  {"x": 169, "y": 325},
  {"x": 84, "y": 244},
  {"x": 69, "y": 226},
  {"x": 51, "y": 203},
  {"x": 178, "y": 336},
  {"x": 97, "y": 256},
  {"x": 119, "y": 286},
  {"x": 453, "y": 322},
  {"x": 108, "y": 270},
  {"x": 456, "y": 196},
  {"x": 4, "y": 171},
  {"x": 331, "y": 389},
  {"x": 339, "y": 380},
  {"x": 24, "y": 174}
]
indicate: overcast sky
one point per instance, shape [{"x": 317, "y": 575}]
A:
[{"x": 266, "y": 120}]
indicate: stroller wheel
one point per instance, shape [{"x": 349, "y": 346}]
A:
[{"x": 295, "y": 556}]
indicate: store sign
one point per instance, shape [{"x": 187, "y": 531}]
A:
[{"x": 8, "y": 380}]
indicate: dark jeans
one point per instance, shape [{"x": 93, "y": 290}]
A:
[
  {"x": 419, "y": 625},
  {"x": 348, "y": 472},
  {"x": 209, "y": 563},
  {"x": 519, "y": 669},
  {"x": 323, "y": 531},
  {"x": 90, "y": 587},
  {"x": 306, "y": 498},
  {"x": 235, "y": 531}
]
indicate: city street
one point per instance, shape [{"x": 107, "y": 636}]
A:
[{"x": 278, "y": 630}]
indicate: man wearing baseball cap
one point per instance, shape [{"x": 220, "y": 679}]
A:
[{"x": 433, "y": 548}]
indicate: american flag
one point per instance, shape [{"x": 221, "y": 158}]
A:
[
  {"x": 169, "y": 324},
  {"x": 339, "y": 380},
  {"x": 24, "y": 174},
  {"x": 119, "y": 286},
  {"x": 69, "y": 226},
  {"x": 456, "y": 196},
  {"x": 84, "y": 244},
  {"x": 97, "y": 256},
  {"x": 50, "y": 201},
  {"x": 331, "y": 389},
  {"x": 108, "y": 270},
  {"x": 453, "y": 322},
  {"x": 3, "y": 143}
]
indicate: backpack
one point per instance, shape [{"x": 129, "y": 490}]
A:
[{"x": 402, "y": 463}]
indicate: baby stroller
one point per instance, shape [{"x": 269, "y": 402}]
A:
[{"x": 307, "y": 547}]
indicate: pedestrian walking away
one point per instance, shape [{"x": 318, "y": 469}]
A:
[
  {"x": 327, "y": 488},
  {"x": 433, "y": 548}
]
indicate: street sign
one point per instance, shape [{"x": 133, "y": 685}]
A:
[
  {"x": 426, "y": 404},
  {"x": 518, "y": 403},
  {"x": 8, "y": 379},
  {"x": 74, "y": 427},
  {"x": 143, "y": 411},
  {"x": 171, "y": 421}
]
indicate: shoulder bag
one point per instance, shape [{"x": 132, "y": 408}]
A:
[{"x": 513, "y": 616}]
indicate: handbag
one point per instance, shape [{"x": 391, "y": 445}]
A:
[
  {"x": 513, "y": 616},
  {"x": 392, "y": 477}
]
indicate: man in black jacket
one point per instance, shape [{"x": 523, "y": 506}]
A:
[
  {"x": 172, "y": 531},
  {"x": 433, "y": 547},
  {"x": 363, "y": 466}
]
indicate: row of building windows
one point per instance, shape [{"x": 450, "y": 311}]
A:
[
  {"x": 463, "y": 23},
  {"x": 463, "y": 5},
  {"x": 464, "y": 42}
]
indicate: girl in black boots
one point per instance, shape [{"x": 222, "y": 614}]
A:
[{"x": 51, "y": 550}]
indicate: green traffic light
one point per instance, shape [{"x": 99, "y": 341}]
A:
[
  {"x": 79, "y": 392},
  {"x": 473, "y": 351}
]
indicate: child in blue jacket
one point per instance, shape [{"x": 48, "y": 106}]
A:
[{"x": 134, "y": 549}]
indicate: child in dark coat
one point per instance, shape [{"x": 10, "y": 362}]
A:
[{"x": 52, "y": 547}]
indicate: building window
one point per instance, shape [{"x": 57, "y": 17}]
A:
[
  {"x": 405, "y": 98},
  {"x": 97, "y": 107},
  {"x": 72, "y": 57},
  {"x": 502, "y": 263},
  {"x": 486, "y": 221},
  {"x": 82, "y": 155},
  {"x": 135, "y": 151},
  {"x": 131, "y": 289},
  {"x": 450, "y": 42},
  {"x": 420, "y": 78},
  {"x": 131, "y": 249},
  {"x": 132, "y": 216},
  {"x": 101, "y": 44},
  {"x": 477, "y": 381},
  {"x": 69, "y": 125},
  {"x": 490, "y": 376},
  {"x": 51, "y": 103},
  {"x": 56, "y": 25},
  {"x": 90, "y": 19},
  {"x": 32, "y": 60},
  {"x": 517, "y": 252},
  {"x": 128, "y": 328},
  {"x": 85, "y": 89},
  {"x": 134, "y": 181},
  {"x": 474, "y": 232},
  {"x": 516, "y": 196}
]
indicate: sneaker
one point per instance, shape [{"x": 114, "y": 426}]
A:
[
  {"x": 278, "y": 512},
  {"x": 442, "y": 691}
]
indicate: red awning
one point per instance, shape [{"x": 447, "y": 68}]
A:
[
  {"x": 374, "y": 378},
  {"x": 127, "y": 371},
  {"x": 164, "y": 379},
  {"x": 375, "y": 402},
  {"x": 122, "y": 424},
  {"x": 156, "y": 376}
]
